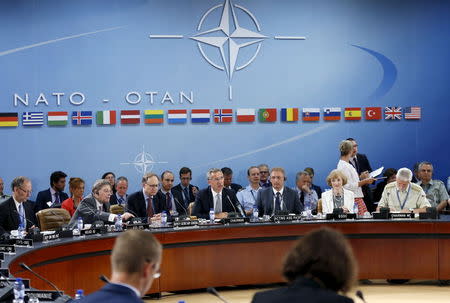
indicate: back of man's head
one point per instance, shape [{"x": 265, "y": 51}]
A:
[{"x": 133, "y": 249}]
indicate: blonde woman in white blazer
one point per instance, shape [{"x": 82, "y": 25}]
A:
[{"x": 338, "y": 196}]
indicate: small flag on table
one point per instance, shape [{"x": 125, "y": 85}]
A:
[
  {"x": 223, "y": 115},
  {"x": 413, "y": 113},
  {"x": 9, "y": 120},
  {"x": 130, "y": 117},
  {"x": 332, "y": 113},
  {"x": 352, "y": 113},
  {"x": 57, "y": 118},
  {"x": 106, "y": 117},
  {"x": 200, "y": 116},
  {"x": 152, "y": 116},
  {"x": 33, "y": 119},
  {"x": 82, "y": 118},
  {"x": 392, "y": 113},
  {"x": 245, "y": 115},
  {"x": 311, "y": 114},
  {"x": 177, "y": 116},
  {"x": 289, "y": 114},
  {"x": 267, "y": 115}
]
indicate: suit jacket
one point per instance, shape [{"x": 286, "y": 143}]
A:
[
  {"x": 328, "y": 205},
  {"x": 301, "y": 290},
  {"x": 45, "y": 196},
  {"x": 113, "y": 199},
  {"x": 178, "y": 189},
  {"x": 265, "y": 197},
  {"x": 178, "y": 200},
  {"x": 362, "y": 164},
  {"x": 113, "y": 293},
  {"x": 9, "y": 217},
  {"x": 318, "y": 190},
  {"x": 87, "y": 209},
  {"x": 205, "y": 201},
  {"x": 236, "y": 187},
  {"x": 136, "y": 204}
]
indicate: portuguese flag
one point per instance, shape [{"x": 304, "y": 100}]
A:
[{"x": 267, "y": 115}]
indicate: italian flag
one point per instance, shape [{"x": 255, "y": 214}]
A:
[
  {"x": 106, "y": 117},
  {"x": 57, "y": 118}
]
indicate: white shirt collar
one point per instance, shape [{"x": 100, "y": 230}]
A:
[
  {"x": 280, "y": 191},
  {"x": 407, "y": 188},
  {"x": 214, "y": 193},
  {"x": 138, "y": 294}
]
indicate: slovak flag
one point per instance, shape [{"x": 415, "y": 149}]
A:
[{"x": 311, "y": 114}]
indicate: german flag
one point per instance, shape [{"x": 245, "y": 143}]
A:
[{"x": 9, "y": 120}]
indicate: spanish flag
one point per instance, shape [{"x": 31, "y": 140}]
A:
[
  {"x": 352, "y": 113},
  {"x": 9, "y": 120}
]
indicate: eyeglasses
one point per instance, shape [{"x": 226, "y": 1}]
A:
[
  {"x": 263, "y": 172},
  {"x": 152, "y": 185},
  {"x": 28, "y": 192},
  {"x": 426, "y": 170},
  {"x": 216, "y": 179}
]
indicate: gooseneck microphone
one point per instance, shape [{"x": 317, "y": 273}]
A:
[
  {"x": 36, "y": 229},
  {"x": 182, "y": 206},
  {"x": 241, "y": 211},
  {"x": 213, "y": 291},
  {"x": 6, "y": 292},
  {"x": 104, "y": 279},
  {"x": 62, "y": 298},
  {"x": 360, "y": 295}
]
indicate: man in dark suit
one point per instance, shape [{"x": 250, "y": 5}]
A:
[
  {"x": 185, "y": 189},
  {"x": 362, "y": 166},
  {"x": 228, "y": 179},
  {"x": 264, "y": 176},
  {"x": 317, "y": 188},
  {"x": 55, "y": 195},
  {"x": 173, "y": 199},
  {"x": 135, "y": 261},
  {"x": 95, "y": 207},
  {"x": 278, "y": 198},
  {"x": 18, "y": 209},
  {"x": 120, "y": 197},
  {"x": 216, "y": 197},
  {"x": 148, "y": 202}
]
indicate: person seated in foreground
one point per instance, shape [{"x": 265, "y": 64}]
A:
[
  {"x": 338, "y": 196},
  {"x": 135, "y": 261},
  {"x": 320, "y": 265}
]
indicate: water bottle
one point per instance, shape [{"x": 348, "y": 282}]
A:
[
  {"x": 355, "y": 208},
  {"x": 118, "y": 224},
  {"x": 19, "y": 291},
  {"x": 79, "y": 294},
  {"x": 308, "y": 214},
  {"x": 212, "y": 215},
  {"x": 33, "y": 300},
  {"x": 21, "y": 232},
  {"x": 163, "y": 218},
  {"x": 255, "y": 214},
  {"x": 80, "y": 224}
]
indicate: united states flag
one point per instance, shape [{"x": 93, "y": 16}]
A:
[
  {"x": 393, "y": 113},
  {"x": 413, "y": 113}
]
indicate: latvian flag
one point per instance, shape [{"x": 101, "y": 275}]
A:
[
  {"x": 289, "y": 114},
  {"x": 106, "y": 117},
  {"x": 392, "y": 113},
  {"x": 9, "y": 120},
  {"x": 177, "y": 116},
  {"x": 353, "y": 113},
  {"x": 412, "y": 113},
  {"x": 152, "y": 116},
  {"x": 223, "y": 115},
  {"x": 311, "y": 114},
  {"x": 245, "y": 115},
  {"x": 33, "y": 119},
  {"x": 200, "y": 116},
  {"x": 82, "y": 118},
  {"x": 130, "y": 117},
  {"x": 57, "y": 118},
  {"x": 332, "y": 113}
]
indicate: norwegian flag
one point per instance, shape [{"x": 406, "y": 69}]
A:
[
  {"x": 223, "y": 115},
  {"x": 393, "y": 113}
]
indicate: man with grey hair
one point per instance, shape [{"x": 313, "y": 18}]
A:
[
  {"x": 121, "y": 196},
  {"x": 307, "y": 195},
  {"x": 216, "y": 197},
  {"x": 3, "y": 196},
  {"x": 95, "y": 207},
  {"x": 404, "y": 196},
  {"x": 434, "y": 189}
]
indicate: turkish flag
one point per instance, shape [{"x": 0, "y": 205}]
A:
[{"x": 373, "y": 113}]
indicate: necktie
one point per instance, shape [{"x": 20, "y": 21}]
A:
[
  {"x": 186, "y": 196},
  {"x": 278, "y": 202},
  {"x": 150, "y": 210},
  {"x": 57, "y": 201},
  {"x": 302, "y": 197},
  {"x": 21, "y": 215},
  {"x": 120, "y": 200},
  {"x": 100, "y": 208},
  {"x": 168, "y": 201},
  {"x": 218, "y": 206}
]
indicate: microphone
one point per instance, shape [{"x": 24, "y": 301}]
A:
[
  {"x": 36, "y": 229},
  {"x": 182, "y": 206},
  {"x": 229, "y": 200},
  {"x": 239, "y": 207},
  {"x": 104, "y": 279},
  {"x": 359, "y": 294},
  {"x": 213, "y": 291},
  {"x": 62, "y": 298},
  {"x": 7, "y": 290}
]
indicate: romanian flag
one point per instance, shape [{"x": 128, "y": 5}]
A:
[
  {"x": 352, "y": 113},
  {"x": 152, "y": 116},
  {"x": 267, "y": 115},
  {"x": 289, "y": 114},
  {"x": 9, "y": 120}
]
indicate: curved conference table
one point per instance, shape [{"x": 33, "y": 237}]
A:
[{"x": 243, "y": 254}]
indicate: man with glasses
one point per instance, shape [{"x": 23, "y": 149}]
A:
[
  {"x": 135, "y": 261},
  {"x": 434, "y": 189},
  {"x": 95, "y": 207},
  {"x": 264, "y": 181},
  {"x": 148, "y": 202},
  {"x": 18, "y": 209},
  {"x": 185, "y": 188},
  {"x": 216, "y": 197}
]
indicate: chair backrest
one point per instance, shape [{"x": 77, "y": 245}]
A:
[
  {"x": 319, "y": 206},
  {"x": 52, "y": 218},
  {"x": 117, "y": 209}
]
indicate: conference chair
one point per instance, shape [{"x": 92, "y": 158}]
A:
[
  {"x": 319, "y": 206},
  {"x": 117, "y": 209},
  {"x": 52, "y": 218}
]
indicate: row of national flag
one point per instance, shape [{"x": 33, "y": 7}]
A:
[{"x": 180, "y": 116}]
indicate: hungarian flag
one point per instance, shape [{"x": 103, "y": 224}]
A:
[
  {"x": 311, "y": 114},
  {"x": 245, "y": 115},
  {"x": 352, "y": 113},
  {"x": 289, "y": 114},
  {"x": 130, "y": 117},
  {"x": 373, "y": 113},
  {"x": 223, "y": 115},
  {"x": 153, "y": 116},
  {"x": 332, "y": 113},
  {"x": 177, "y": 116},
  {"x": 106, "y": 117},
  {"x": 267, "y": 114},
  {"x": 9, "y": 120},
  {"x": 200, "y": 116},
  {"x": 57, "y": 118},
  {"x": 82, "y": 118}
]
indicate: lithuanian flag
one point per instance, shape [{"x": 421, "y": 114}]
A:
[{"x": 153, "y": 116}]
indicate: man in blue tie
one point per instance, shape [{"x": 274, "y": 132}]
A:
[
  {"x": 121, "y": 196},
  {"x": 185, "y": 189},
  {"x": 55, "y": 195}
]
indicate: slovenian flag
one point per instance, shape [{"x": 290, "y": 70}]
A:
[
  {"x": 177, "y": 116},
  {"x": 332, "y": 113},
  {"x": 311, "y": 114},
  {"x": 200, "y": 116}
]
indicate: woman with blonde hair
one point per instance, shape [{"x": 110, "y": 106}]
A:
[{"x": 338, "y": 196}]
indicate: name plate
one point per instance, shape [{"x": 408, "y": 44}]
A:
[
  {"x": 234, "y": 220},
  {"x": 402, "y": 215},
  {"x": 286, "y": 218},
  {"x": 50, "y": 237},
  {"x": 92, "y": 231},
  {"x": 10, "y": 282},
  {"x": 8, "y": 249},
  {"x": 4, "y": 272},
  {"x": 184, "y": 223},
  {"x": 23, "y": 242},
  {"x": 139, "y": 226},
  {"x": 43, "y": 295}
]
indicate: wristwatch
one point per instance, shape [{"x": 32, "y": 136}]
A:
[{"x": 411, "y": 209}]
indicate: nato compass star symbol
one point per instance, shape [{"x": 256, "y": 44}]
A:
[
  {"x": 143, "y": 162},
  {"x": 229, "y": 37}
]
